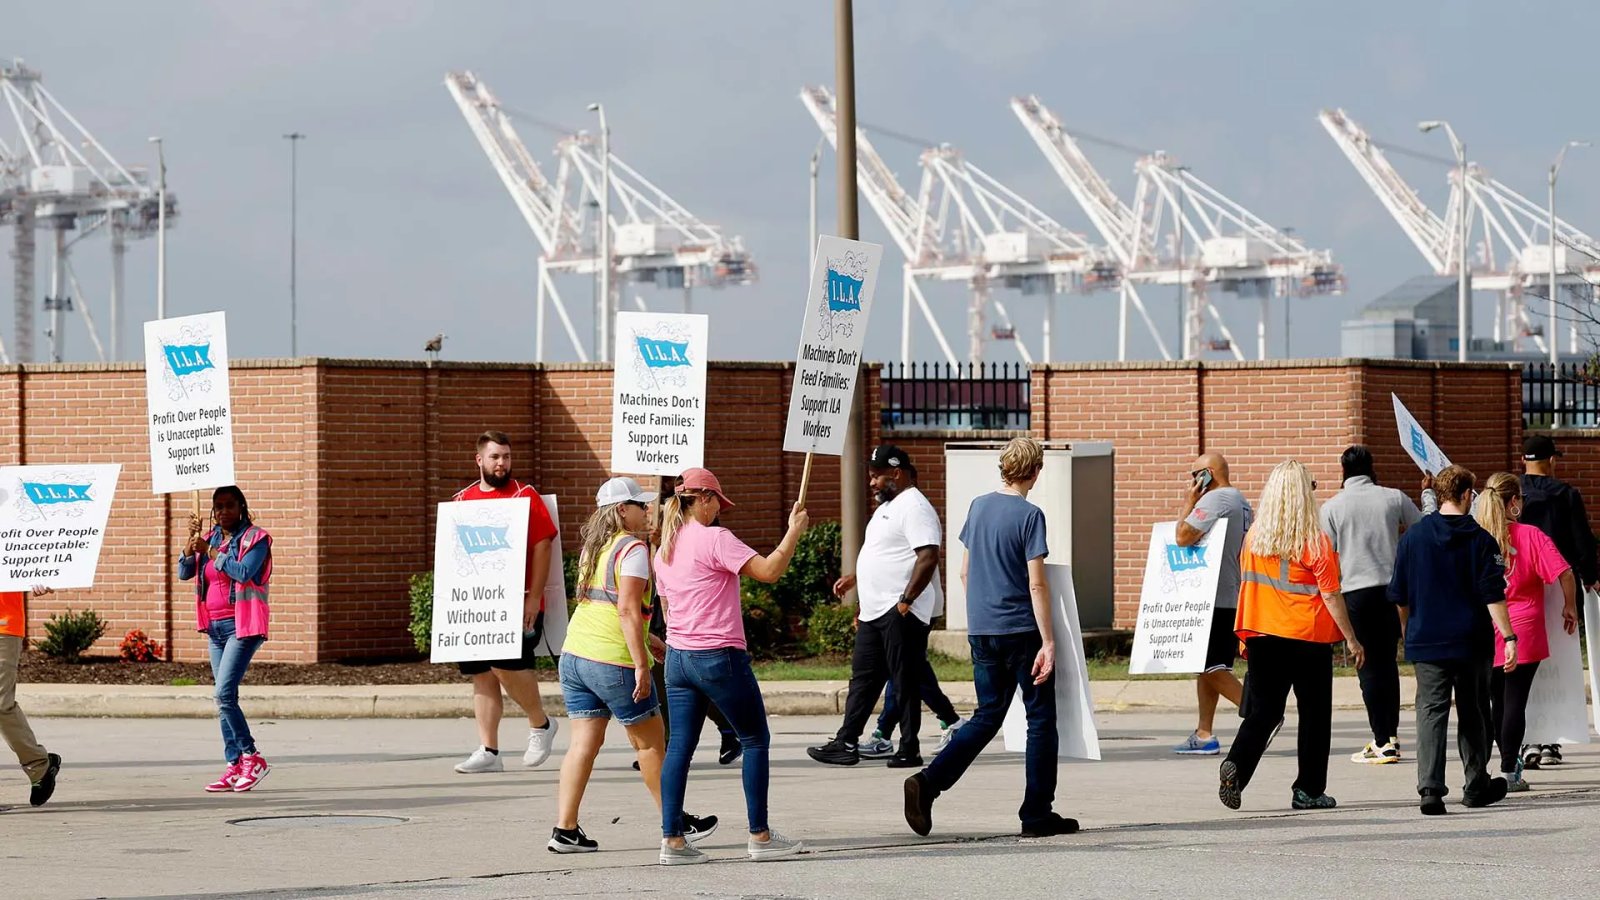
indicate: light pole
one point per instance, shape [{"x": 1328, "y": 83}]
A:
[
  {"x": 294, "y": 138},
  {"x": 161, "y": 232},
  {"x": 1183, "y": 295},
  {"x": 852, "y": 487},
  {"x": 604, "y": 313},
  {"x": 816, "y": 161},
  {"x": 1464, "y": 274},
  {"x": 1555, "y": 312}
]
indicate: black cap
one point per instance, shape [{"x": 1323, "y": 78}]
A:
[
  {"x": 888, "y": 456},
  {"x": 1539, "y": 447}
]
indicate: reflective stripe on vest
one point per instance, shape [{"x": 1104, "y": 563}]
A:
[
  {"x": 606, "y": 590},
  {"x": 1282, "y": 582}
]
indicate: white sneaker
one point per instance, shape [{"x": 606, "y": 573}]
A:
[
  {"x": 774, "y": 847},
  {"x": 876, "y": 748},
  {"x": 687, "y": 855},
  {"x": 949, "y": 732},
  {"x": 481, "y": 760},
  {"x": 540, "y": 741}
]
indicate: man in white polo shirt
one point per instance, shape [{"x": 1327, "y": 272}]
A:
[{"x": 897, "y": 587}]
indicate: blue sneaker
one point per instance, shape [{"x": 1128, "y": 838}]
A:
[{"x": 1193, "y": 746}]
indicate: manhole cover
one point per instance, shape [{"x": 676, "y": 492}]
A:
[{"x": 320, "y": 821}]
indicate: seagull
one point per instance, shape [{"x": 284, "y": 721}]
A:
[{"x": 433, "y": 346}]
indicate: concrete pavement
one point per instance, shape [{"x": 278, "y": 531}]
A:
[
  {"x": 130, "y": 820},
  {"x": 423, "y": 701}
]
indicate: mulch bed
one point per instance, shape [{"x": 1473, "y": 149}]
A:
[{"x": 36, "y": 668}]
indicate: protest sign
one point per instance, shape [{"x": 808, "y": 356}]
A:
[
  {"x": 555, "y": 592},
  {"x": 844, "y": 275},
  {"x": 479, "y": 567},
  {"x": 1557, "y": 711},
  {"x": 53, "y": 524},
  {"x": 1176, "y": 601},
  {"x": 1591, "y": 631},
  {"x": 1421, "y": 448},
  {"x": 658, "y": 401},
  {"x": 1079, "y": 739},
  {"x": 191, "y": 416}
]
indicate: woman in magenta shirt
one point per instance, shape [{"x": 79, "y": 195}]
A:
[
  {"x": 1532, "y": 561},
  {"x": 698, "y": 569}
]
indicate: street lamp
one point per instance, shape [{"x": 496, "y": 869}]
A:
[
  {"x": 1463, "y": 307},
  {"x": 604, "y": 313},
  {"x": 1555, "y": 312},
  {"x": 294, "y": 138},
  {"x": 161, "y": 233}
]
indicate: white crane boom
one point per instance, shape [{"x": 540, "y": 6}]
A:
[{"x": 1434, "y": 239}]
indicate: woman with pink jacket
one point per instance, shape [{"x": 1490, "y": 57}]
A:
[{"x": 232, "y": 564}]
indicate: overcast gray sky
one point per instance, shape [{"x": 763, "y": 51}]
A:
[{"x": 405, "y": 230}]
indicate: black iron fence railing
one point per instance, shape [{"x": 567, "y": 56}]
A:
[
  {"x": 941, "y": 396},
  {"x": 1567, "y": 395}
]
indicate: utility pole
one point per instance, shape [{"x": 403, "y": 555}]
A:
[
  {"x": 161, "y": 232},
  {"x": 1555, "y": 311},
  {"x": 1463, "y": 273},
  {"x": 605, "y": 311},
  {"x": 852, "y": 488},
  {"x": 294, "y": 138}
]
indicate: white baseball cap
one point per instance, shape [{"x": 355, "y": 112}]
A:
[{"x": 621, "y": 490}]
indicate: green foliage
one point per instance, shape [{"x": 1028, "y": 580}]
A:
[
  {"x": 569, "y": 569},
  {"x": 812, "y": 572},
  {"x": 766, "y": 628},
  {"x": 421, "y": 591},
  {"x": 68, "y": 634},
  {"x": 831, "y": 629}
]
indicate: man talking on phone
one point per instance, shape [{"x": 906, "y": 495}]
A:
[{"x": 1211, "y": 497}]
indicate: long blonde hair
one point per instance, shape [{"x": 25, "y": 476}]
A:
[
  {"x": 674, "y": 513},
  {"x": 1286, "y": 521},
  {"x": 1494, "y": 508},
  {"x": 603, "y": 525}
]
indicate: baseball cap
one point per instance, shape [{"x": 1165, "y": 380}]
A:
[
  {"x": 1539, "y": 447},
  {"x": 703, "y": 480},
  {"x": 621, "y": 490},
  {"x": 888, "y": 456}
]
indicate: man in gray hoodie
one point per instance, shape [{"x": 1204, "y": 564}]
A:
[{"x": 1364, "y": 521}]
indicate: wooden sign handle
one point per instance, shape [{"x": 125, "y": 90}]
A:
[{"x": 805, "y": 482}]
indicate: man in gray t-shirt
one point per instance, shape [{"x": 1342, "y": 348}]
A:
[{"x": 1211, "y": 498}]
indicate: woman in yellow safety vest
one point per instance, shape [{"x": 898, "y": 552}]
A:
[{"x": 606, "y": 658}]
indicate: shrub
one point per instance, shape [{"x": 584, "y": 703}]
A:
[
  {"x": 765, "y": 630},
  {"x": 68, "y": 634},
  {"x": 831, "y": 629},
  {"x": 812, "y": 572},
  {"x": 138, "y": 647},
  {"x": 421, "y": 592}
]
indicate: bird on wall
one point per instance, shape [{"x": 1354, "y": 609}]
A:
[{"x": 433, "y": 346}]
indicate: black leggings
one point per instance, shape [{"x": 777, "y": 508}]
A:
[{"x": 1508, "y": 703}]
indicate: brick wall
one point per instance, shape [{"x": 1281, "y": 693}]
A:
[{"x": 344, "y": 461}]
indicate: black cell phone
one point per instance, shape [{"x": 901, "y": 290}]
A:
[{"x": 1203, "y": 480}]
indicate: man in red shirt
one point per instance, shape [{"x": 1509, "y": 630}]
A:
[
  {"x": 516, "y": 675},
  {"x": 40, "y": 764}
]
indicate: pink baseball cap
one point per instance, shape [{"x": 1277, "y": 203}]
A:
[{"x": 703, "y": 480}]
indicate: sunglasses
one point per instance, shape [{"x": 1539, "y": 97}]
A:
[{"x": 637, "y": 503}]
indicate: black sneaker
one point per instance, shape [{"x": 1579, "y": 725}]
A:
[
  {"x": 570, "y": 840},
  {"x": 698, "y": 828},
  {"x": 835, "y": 753},
  {"x": 902, "y": 761},
  {"x": 919, "y": 804},
  {"x": 636, "y": 765},
  {"x": 46, "y": 785},
  {"x": 1432, "y": 804},
  {"x": 1050, "y": 827},
  {"x": 1228, "y": 789},
  {"x": 1494, "y": 793},
  {"x": 731, "y": 750}
]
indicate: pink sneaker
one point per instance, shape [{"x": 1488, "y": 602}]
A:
[
  {"x": 225, "y": 783},
  {"x": 252, "y": 768}
]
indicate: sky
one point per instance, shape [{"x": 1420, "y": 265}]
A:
[{"x": 405, "y": 231}]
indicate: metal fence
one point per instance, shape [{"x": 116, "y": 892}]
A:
[
  {"x": 1566, "y": 396},
  {"x": 940, "y": 396}
]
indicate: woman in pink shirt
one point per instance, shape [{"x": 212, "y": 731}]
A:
[
  {"x": 698, "y": 569},
  {"x": 1532, "y": 561}
]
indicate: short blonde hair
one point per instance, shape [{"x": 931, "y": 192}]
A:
[{"x": 1021, "y": 460}]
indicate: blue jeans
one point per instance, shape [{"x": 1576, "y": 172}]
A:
[
  {"x": 230, "y": 657},
  {"x": 696, "y": 678},
  {"x": 1001, "y": 665},
  {"x": 932, "y": 697}
]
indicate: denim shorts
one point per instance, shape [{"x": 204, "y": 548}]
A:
[{"x": 597, "y": 690}]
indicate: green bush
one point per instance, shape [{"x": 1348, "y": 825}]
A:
[
  {"x": 68, "y": 634},
  {"x": 569, "y": 569},
  {"x": 812, "y": 572},
  {"x": 421, "y": 591},
  {"x": 765, "y": 627},
  {"x": 831, "y": 629}
]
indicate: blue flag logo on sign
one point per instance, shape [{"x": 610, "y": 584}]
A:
[
  {"x": 658, "y": 354},
  {"x": 1419, "y": 444},
  {"x": 188, "y": 359},
  {"x": 44, "y": 494},
  {"x": 1184, "y": 559},
  {"x": 482, "y": 538},
  {"x": 844, "y": 292}
]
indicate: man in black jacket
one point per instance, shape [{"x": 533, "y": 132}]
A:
[{"x": 1555, "y": 508}]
